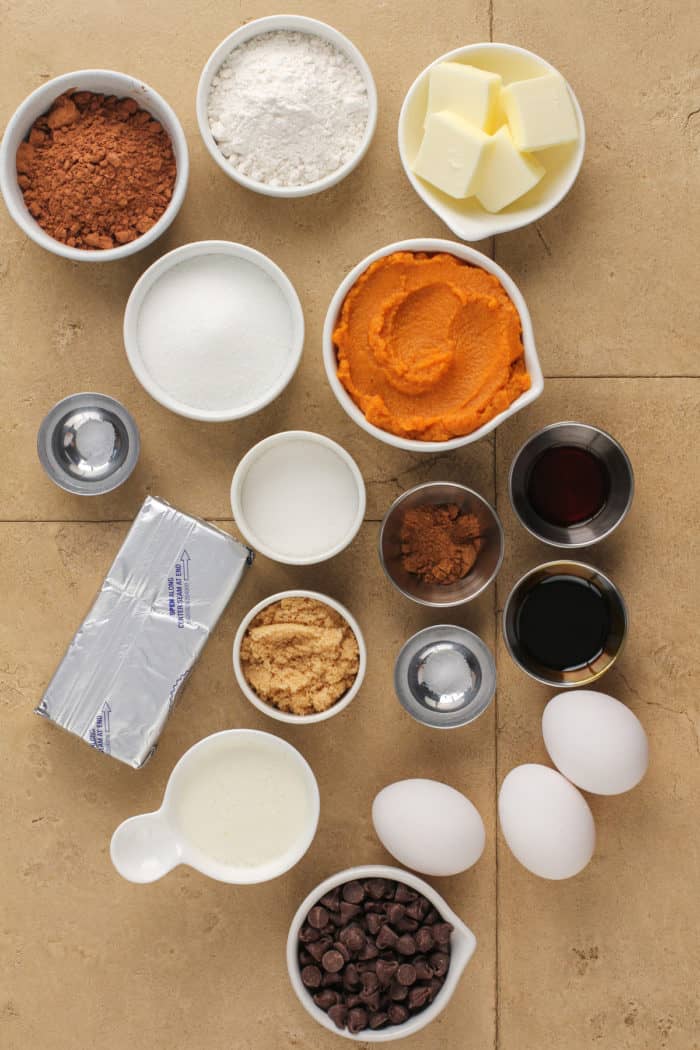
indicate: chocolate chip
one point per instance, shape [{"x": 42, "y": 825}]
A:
[
  {"x": 331, "y": 980},
  {"x": 305, "y": 958},
  {"x": 338, "y": 1015},
  {"x": 332, "y": 961},
  {"x": 385, "y": 971},
  {"x": 418, "y": 910},
  {"x": 351, "y": 976},
  {"x": 353, "y": 892},
  {"x": 376, "y": 907},
  {"x": 423, "y": 971},
  {"x": 424, "y": 939},
  {"x": 367, "y": 966},
  {"x": 406, "y": 925},
  {"x": 308, "y": 934},
  {"x": 418, "y": 997},
  {"x": 318, "y": 917},
  {"x": 406, "y": 974},
  {"x": 406, "y": 945},
  {"x": 441, "y": 932},
  {"x": 371, "y": 1001},
  {"x": 403, "y": 895},
  {"x": 431, "y": 917},
  {"x": 357, "y": 1020},
  {"x": 395, "y": 912},
  {"x": 434, "y": 986},
  {"x": 353, "y": 937},
  {"x": 318, "y": 949},
  {"x": 398, "y": 991},
  {"x": 311, "y": 977},
  {"x": 348, "y": 912},
  {"x": 375, "y": 922},
  {"x": 368, "y": 951},
  {"x": 378, "y": 1019},
  {"x": 340, "y": 947},
  {"x": 370, "y": 982},
  {"x": 353, "y": 1000},
  {"x": 331, "y": 900},
  {"x": 376, "y": 888},
  {"x": 397, "y": 1013},
  {"x": 440, "y": 962},
  {"x": 386, "y": 938},
  {"x": 326, "y": 998}
]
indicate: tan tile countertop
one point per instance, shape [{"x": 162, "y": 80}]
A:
[{"x": 606, "y": 961}]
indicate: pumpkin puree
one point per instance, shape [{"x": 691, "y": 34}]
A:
[{"x": 429, "y": 347}]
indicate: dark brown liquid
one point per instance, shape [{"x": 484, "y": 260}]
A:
[
  {"x": 563, "y": 622},
  {"x": 568, "y": 485}
]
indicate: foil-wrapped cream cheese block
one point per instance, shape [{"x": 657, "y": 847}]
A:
[{"x": 164, "y": 593}]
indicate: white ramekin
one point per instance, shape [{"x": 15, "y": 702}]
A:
[
  {"x": 463, "y": 944},
  {"x": 106, "y": 82},
  {"x": 468, "y": 220},
  {"x": 269, "y": 709},
  {"x": 285, "y": 23},
  {"x": 239, "y": 510},
  {"x": 470, "y": 255},
  {"x": 156, "y": 271}
]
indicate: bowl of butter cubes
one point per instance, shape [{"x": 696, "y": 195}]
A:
[{"x": 491, "y": 137}]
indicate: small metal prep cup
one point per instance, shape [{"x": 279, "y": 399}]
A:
[
  {"x": 483, "y": 571},
  {"x": 445, "y": 676},
  {"x": 620, "y": 475},
  {"x": 88, "y": 444}
]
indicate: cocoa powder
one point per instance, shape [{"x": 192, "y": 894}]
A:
[
  {"x": 96, "y": 171},
  {"x": 439, "y": 543}
]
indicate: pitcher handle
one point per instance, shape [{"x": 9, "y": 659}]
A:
[{"x": 144, "y": 848}]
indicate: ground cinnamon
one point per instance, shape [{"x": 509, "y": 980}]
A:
[
  {"x": 96, "y": 171},
  {"x": 439, "y": 543}
]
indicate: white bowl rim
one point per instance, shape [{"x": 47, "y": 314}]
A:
[
  {"x": 418, "y": 1021},
  {"x": 292, "y": 23},
  {"x": 278, "y": 439},
  {"x": 193, "y": 250},
  {"x": 476, "y": 258},
  {"x": 51, "y": 89},
  {"x": 518, "y": 221},
  {"x": 285, "y": 716}
]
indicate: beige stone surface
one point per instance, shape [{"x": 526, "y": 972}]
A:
[{"x": 607, "y": 961}]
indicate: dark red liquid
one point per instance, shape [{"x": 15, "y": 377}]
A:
[{"x": 567, "y": 485}]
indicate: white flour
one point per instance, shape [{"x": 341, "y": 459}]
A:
[
  {"x": 215, "y": 332},
  {"x": 288, "y": 108}
]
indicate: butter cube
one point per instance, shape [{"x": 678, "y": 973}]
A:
[
  {"x": 466, "y": 91},
  {"x": 506, "y": 173},
  {"x": 540, "y": 112},
  {"x": 450, "y": 154}
]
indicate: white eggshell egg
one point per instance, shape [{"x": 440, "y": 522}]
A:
[
  {"x": 428, "y": 826},
  {"x": 595, "y": 741},
  {"x": 546, "y": 822}
]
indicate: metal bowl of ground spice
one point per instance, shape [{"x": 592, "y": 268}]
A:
[
  {"x": 94, "y": 165},
  {"x": 299, "y": 656},
  {"x": 441, "y": 544}
]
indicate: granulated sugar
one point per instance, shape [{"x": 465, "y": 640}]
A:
[
  {"x": 288, "y": 108},
  {"x": 215, "y": 332}
]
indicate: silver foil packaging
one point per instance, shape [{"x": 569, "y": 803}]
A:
[{"x": 163, "y": 595}]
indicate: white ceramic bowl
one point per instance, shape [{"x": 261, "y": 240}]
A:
[
  {"x": 288, "y": 23},
  {"x": 156, "y": 271},
  {"x": 470, "y": 255},
  {"x": 254, "y": 456},
  {"x": 467, "y": 219},
  {"x": 285, "y": 716},
  {"x": 463, "y": 944},
  {"x": 102, "y": 81}
]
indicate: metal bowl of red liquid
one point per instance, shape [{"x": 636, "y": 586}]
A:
[{"x": 571, "y": 484}]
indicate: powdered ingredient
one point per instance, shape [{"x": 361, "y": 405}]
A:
[
  {"x": 288, "y": 108},
  {"x": 96, "y": 171},
  {"x": 300, "y": 655},
  {"x": 439, "y": 543}
]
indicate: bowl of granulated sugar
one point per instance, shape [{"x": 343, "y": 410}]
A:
[
  {"x": 214, "y": 331},
  {"x": 287, "y": 106}
]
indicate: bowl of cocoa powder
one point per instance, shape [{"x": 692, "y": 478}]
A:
[
  {"x": 94, "y": 165},
  {"x": 441, "y": 544}
]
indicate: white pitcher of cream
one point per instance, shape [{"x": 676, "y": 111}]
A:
[{"x": 241, "y": 806}]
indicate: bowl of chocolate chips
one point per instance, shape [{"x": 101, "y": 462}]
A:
[{"x": 374, "y": 953}]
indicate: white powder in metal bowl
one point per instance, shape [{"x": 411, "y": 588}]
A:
[
  {"x": 215, "y": 332},
  {"x": 288, "y": 108}
]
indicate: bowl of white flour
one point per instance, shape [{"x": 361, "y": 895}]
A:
[
  {"x": 214, "y": 330},
  {"x": 287, "y": 106}
]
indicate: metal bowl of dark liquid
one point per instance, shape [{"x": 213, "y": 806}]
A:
[
  {"x": 571, "y": 484},
  {"x": 565, "y": 623}
]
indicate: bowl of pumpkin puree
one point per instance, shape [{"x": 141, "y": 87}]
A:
[{"x": 428, "y": 345}]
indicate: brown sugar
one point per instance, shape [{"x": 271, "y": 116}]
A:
[
  {"x": 439, "y": 543},
  {"x": 300, "y": 655},
  {"x": 96, "y": 171}
]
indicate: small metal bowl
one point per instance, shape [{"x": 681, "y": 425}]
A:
[
  {"x": 445, "y": 676},
  {"x": 486, "y": 566},
  {"x": 616, "y": 463},
  {"x": 582, "y": 676},
  {"x": 88, "y": 444}
]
